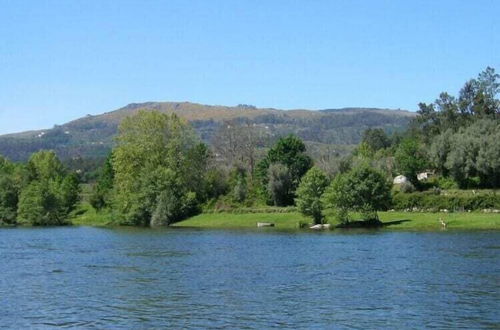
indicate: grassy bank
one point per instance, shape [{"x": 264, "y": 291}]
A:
[
  {"x": 243, "y": 220},
  {"x": 86, "y": 215},
  {"x": 392, "y": 220}
]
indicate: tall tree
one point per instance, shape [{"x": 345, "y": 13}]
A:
[
  {"x": 410, "y": 158},
  {"x": 237, "y": 144},
  {"x": 310, "y": 192},
  {"x": 289, "y": 151},
  {"x": 279, "y": 184},
  {"x": 477, "y": 99},
  {"x": 154, "y": 162},
  {"x": 376, "y": 138}
]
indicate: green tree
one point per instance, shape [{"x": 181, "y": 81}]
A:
[
  {"x": 8, "y": 200},
  {"x": 439, "y": 151},
  {"x": 478, "y": 99},
  {"x": 309, "y": 193},
  {"x": 362, "y": 189},
  {"x": 290, "y": 152},
  {"x": 44, "y": 166},
  {"x": 239, "y": 184},
  {"x": 171, "y": 202},
  {"x": 216, "y": 183},
  {"x": 197, "y": 162},
  {"x": 280, "y": 184},
  {"x": 410, "y": 159},
  {"x": 39, "y": 205},
  {"x": 9, "y": 192},
  {"x": 102, "y": 192},
  {"x": 376, "y": 138},
  {"x": 69, "y": 192},
  {"x": 474, "y": 151},
  {"x": 50, "y": 193},
  {"x": 156, "y": 158}
]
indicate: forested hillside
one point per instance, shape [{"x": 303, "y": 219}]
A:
[{"x": 93, "y": 136}]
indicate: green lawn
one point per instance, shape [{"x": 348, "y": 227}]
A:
[
  {"x": 393, "y": 220},
  {"x": 430, "y": 221},
  {"x": 86, "y": 215},
  {"x": 243, "y": 220}
]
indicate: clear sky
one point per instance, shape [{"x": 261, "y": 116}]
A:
[{"x": 60, "y": 60}]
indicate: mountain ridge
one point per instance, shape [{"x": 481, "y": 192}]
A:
[{"x": 92, "y": 135}]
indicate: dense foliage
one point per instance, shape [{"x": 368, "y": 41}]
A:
[
  {"x": 471, "y": 155},
  {"x": 102, "y": 195},
  {"x": 431, "y": 201},
  {"x": 43, "y": 192},
  {"x": 10, "y": 186},
  {"x": 283, "y": 167},
  {"x": 158, "y": 167},
  {"x": 309, "y": 194},
  {"x": 362, "y": 189},
  {"x": 410, "y": 159}
]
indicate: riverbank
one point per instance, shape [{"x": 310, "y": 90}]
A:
[
  {"x": 411, "y": 221},
  {"x": 390, "y": 220},
  {"x": 86, "y": 215}
]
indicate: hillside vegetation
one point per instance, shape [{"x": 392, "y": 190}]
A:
[{"x": 324, "y": 130}]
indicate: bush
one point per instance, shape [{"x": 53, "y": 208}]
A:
[
  {"x": 430, "y": 201},
  {"x": 447, "y": 183},
  {"x": 407, "y": 187}
]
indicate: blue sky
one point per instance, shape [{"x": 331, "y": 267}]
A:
[{"x": 60, "y": 60}]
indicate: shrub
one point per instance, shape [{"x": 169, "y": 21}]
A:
[
  {"x": 431, "y": 201},
  {"x": 447, "y": 183},
  {"x": 407, "y": 187}
]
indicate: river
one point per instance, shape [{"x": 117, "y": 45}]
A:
[{"x": 86, "y": 277}]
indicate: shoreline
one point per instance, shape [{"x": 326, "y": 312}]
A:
[
  {"x": 410, "y": 221},
  {"x": 391, "y": 221}
]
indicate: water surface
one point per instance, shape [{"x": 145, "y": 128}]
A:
[{"x": 143, "y": 278}]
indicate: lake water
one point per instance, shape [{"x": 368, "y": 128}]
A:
[{"x": 143, "y": 278}]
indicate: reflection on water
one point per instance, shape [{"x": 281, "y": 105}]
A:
[{"x": 130, "y": 278}]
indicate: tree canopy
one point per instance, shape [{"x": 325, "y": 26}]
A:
[
  {"x": 362, "y": 189},
  {"x": 309, "y": 194},
  {"x": 289, "y": 151},
  {"x": 158, "y": 164},
  {"x": 49, "y": 193},
  {"x": 410, "y": 159}
]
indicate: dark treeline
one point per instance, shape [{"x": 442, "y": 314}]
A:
[{"x": 160, "y": 171}]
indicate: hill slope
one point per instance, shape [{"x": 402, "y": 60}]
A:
[{"x": 92, "y": 136}]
